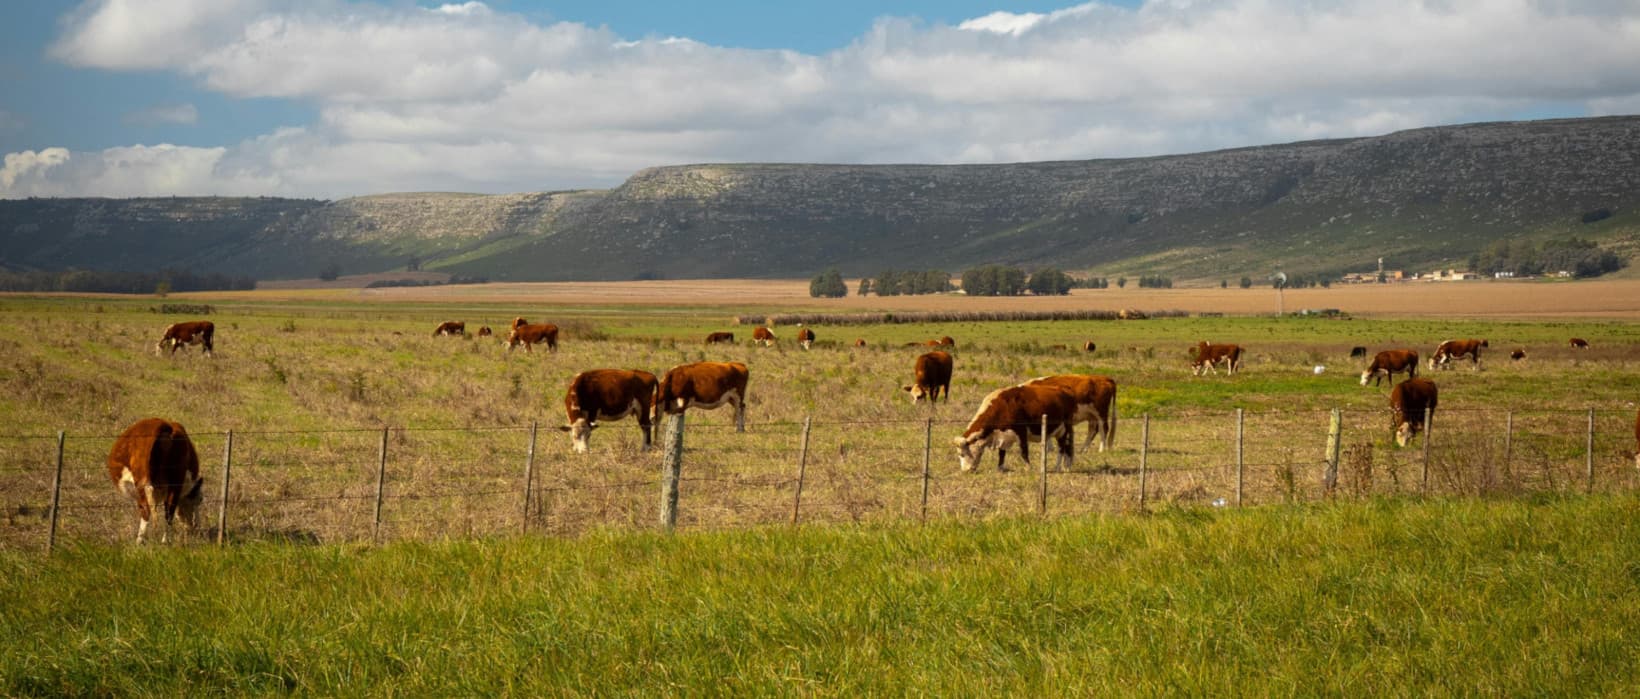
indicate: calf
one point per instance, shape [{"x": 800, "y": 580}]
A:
[
  {"x": 1208, "y": 355},
  {"x": 1408, "y": 402},
  {"x": 763, "y": 336},
  {"x": 720, "y": 337},
  {"x": 1089, "y": 346},
  {"x": 1358, "y": 351},
  {"x": 194, "y": 332},
  {"x": 154, "y": 463},
  {"x": 450, "y": 327},
  {"x": 1387, "y": 362},
  {"x": 1578, "y": 343},
  {"x": 608, "y": 394},
  {"x": 484, "y": 331},
  {"x": 861, "y": 342},
  {"x": 1008, "y": 416},
  {"x": 704, "y": 385},
  {"x": 933, "y": 375},
  {"x": 805, "y": 337},
  {"x": 1095, "y": 403},
  {"x": 529, "y": 334},
  {"x": 1517, "y": 355},
  {"x": 1457, "y": 349}
]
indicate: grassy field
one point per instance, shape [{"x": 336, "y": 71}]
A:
[{"x": 1429, "y": 598}]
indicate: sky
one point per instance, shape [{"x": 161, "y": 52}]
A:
[{"x": 336, "y": 98}]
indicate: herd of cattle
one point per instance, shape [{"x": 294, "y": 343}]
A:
[{"x": 155, "y": 464}]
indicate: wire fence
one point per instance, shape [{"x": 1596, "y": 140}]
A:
[{"x": 396, "y": 484}]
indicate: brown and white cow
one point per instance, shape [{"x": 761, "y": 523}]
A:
[
  {"x": 1517, "y": 355},
  {"x": 1407, "y": 403},
  {"x": 1008, "y": 417},
  {"x": 1208, "y": 355},
  {"x": 1089, "y": 346},
  {"x": 1095, "y": 403},
  {"x": 193, "y": 332},
  {"x": 528, "y": 334},
  {"x": 805, "y": 337},
  {"x": 720, "y": 337},
  {"x": 1578, "y": 343},
  {"x": 704, "y": 385},
  {"x": 608, "y": 394},
  {"x": 861, "y": 342},
  {"x": 1457, "y": 349},
  {"x": 933, "y": 375},
  {"x": 1387, "y": 362},
  {"x": 946, "y": 341},
  {"x": 450, "y": 327},
  {"x": 485, "y": 331},
  {"x": 763, "y": 336},
  {"x": 154, "y": 463}
]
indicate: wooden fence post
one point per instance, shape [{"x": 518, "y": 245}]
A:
[
  {"x": 802, "y": 469},
  {"x": 1508, "y": 442},
  {"x": 1042, "y": 496},
  {"x": 671, "y": 465},
  {"x": 222, "y": 507},
  {"x": 1241, "y": 464},
  {"x": 1144, "y": 457},
  {"x": 1335, "y": 429},
  {"x": 928, "y": 444},
  {"x": 1588, "y": 456},
  {"x": 1424, "y": 477},
  {"x": 56, "y": 493},
  {"x": 529, "y": 479},
  {"x": 381, "y": 486}
]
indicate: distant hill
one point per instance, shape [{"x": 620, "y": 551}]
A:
[{"x": 1417, "y": 198}]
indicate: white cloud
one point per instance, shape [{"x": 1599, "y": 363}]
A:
[
  {"x": 163, "y": 114},
  {"x": 465, "y": 96}
]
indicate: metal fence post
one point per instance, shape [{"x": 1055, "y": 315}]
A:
[
  {"x": 381, "y": 486},
  {"x": 1241, "y": 462},
  {"x": 1424, "y": 477},
  {"x": 671, "y": 464},
  {"x": 56, "y": 493},
  {"x": 222, "y": 507},
  {"x": 928, "y": 448},
  {"x": 1508, "y": 443},
  {"x": 1042, "y": 495},
  {"x": 802, "y": 469},
  {"x": 1144, "y": 458},
  {"x": 1335, "y": 429},
  {"x": 529, "y": 479},
  {"x": 1588, "y": 456}
]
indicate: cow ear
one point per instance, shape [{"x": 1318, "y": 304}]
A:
[
  {"x": 907, "y": 389},
  {"x": 959, "y": 441}
]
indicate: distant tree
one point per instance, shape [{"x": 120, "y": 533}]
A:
[
  {"x": 162, "y": 288},
  {"x": 413, "y": 264},
  {"x": 1246, "y": 282},
  {"x": 1121, "y": 282},
  {"x": 1049, "y": 281},
  {"x": 865, "y": 286},
  {"x": 887, "y": 283},
  {"x": 330, "y": 272},
  {"x": 1224, "y": 283},
  {"x": 828, "y": 284}
]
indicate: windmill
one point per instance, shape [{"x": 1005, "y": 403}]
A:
[{"x": 1281, "y": 283}]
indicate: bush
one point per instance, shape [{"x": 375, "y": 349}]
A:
[{"x": 828, "y": 284}]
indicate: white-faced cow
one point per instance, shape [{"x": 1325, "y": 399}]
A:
[
  {"x": 193, "y": 332},
  {"x": 1208, "y": 355},
  {"x": 528, "y": 334},
  {"x": 1387, "y": 362},
  {"x": 1408, "y": 402},
  {"x": 1089, "y": 346},
  {"x": 608, "y": 394},
  {"x": 450, "y": 327},
  {"x": 485, "y": 331},
  {"x": 720, "y": 337},
  {"x": 154, "y": 463},
  {"x": 1578, "y": 343},
  {"x": 933, "y": 375},
  {"x": 805, "y": 337},
  {"x": 1458, "y": 349},
  {"x": 860, "y": 342},
  {"x": 763, "y": 336},
  {"x": 946, "y": 341},
  {"x": 1517, "y": 355},
  {"x": 1095, "y": 403},
  {"x": 1009, "y": 416},
  {"x": 704, "y": 385}
]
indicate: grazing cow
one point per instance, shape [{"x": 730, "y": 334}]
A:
[
  {"x": 484, "y": 331},
  {"x": 529, "y": 334},
  {"x": 451, "y": 327},
  {"x": 720, "y": 337},
  {"x": 1358, "y": 351},
  {"x": 763, "y": 336},
  {"x": 805, "y": 337},
  {"x": 1578, "y": 343},
  {"x": 193, "y": 332},
  {"x": 608, "y": 394},
  {"x": 704, "y": 385},
  {"x": 1089, "y": 346},
  {"x": 1008, "y": 416},
  {"x": 861, "y": 342},
  {"x": 933, "y": 374},
  {"x": 1517, "y": 355},
  {"x": 1208, "y": 355},
  {"x": 1407, "y": 403},
  {"x": 1387, "y": 362},
  {"x": 154, "y": 463},
  {"x": 1095, "y": 403},
  {"x": 946, "y": 341},
  {"x": 1456, "y": 349}
]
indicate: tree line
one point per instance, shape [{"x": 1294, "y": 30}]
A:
[
  {"x": 1583, "y": 258},
  {"x": 108, "y": 282}
]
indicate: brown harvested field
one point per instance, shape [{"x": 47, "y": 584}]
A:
[{"x": 1481, "y": 299}]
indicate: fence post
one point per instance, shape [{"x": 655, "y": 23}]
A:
[
  {"x": 1042, "y": 496},
  {"x": 1241, "y": 464},
  {"x": 222, "y": 507},
  {"x": 1335, "y": 429},
  {"x": 381, "y": 485},
  {"x": 802, "y": 468},
  {"x": 671, "y": 464},
  {"x": 928, "y": 444},
  {"x": 56, "y": 493},
  {"x": 1508, "y": 443},
  {"x": 1144, "y": 457},
  {"x": 1588, "y": 456},
  {"x": 529, "y": 479},
  {"x": 1424, "y": 478}
]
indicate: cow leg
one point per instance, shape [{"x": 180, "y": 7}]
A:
[{"x": 740, "y": 413}]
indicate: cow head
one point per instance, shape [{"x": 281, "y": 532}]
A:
[
  {"x": 187, "y": 506},
  {"x": 917, "y": 393},
  {"x": 580, "y": 434},
  {"x": 1365, "y": 375},
  {"x": 971, "y": 448},
  {"x": 1404, "y": 432}
]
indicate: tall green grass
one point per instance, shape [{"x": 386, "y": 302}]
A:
[{"x": 1393, "y": 597}]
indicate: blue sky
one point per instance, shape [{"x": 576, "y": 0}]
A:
[{"x": 333, "y": 98}]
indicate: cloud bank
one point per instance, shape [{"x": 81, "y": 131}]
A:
[{"x": 468, "y": 97}]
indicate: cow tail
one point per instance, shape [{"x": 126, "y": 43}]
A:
[{"x": 1110, "y": 426}]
